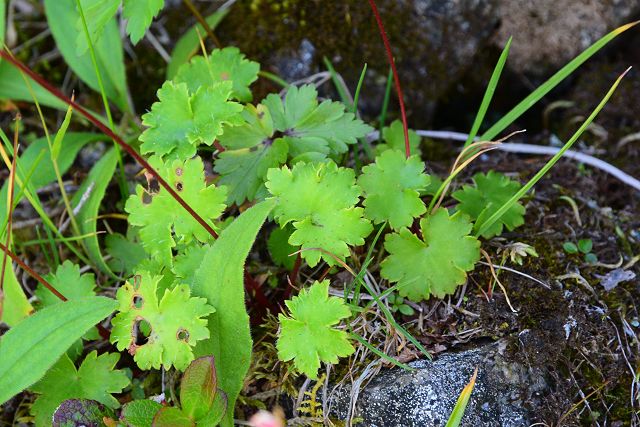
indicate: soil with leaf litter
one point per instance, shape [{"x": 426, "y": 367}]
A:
[{"x": 572, "y": 319}]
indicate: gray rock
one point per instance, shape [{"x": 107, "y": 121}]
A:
[
  {"x": 426, "y": 397},
  {"x": 549, "y": 33},
  {"x": 434, "y": 41}
]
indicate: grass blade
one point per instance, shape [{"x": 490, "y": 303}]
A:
[
  {"x": 488, "y": 95},
  {"x": 553, "y": 81},
  {"x": 481, "y": 228},
  {"x": 380, "y": 353},
  {"x": 461, "y": 404}
]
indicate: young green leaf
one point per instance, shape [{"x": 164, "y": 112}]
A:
[
  {"x": 187, "y": 262},
  {"x": 181, "y": 121},
  {"x": 176, "y": 323},
  {"x": 221, "y": 65},
  {"x": 139, "y": 14},
  {"x": 312, "y": 127},
  {"x": 68, "y": 280},
  {"x": 96, "y": 379},
  {"x": 585, "y": 245},
  {"x": 31, "y": 347},
  {"x": 393, "y": 137},
  {"x": 570, "y": 247},
  {"x": 172, "y": 417},
  {"x": 392, "y": 188},
  {"x": 298, "y": 127},
  {"x": 437, "y": 263},
  {"x": 220, "y": 279},
  {"x": 308, "y": 335},
  {"x": 491, "y": 191},
  {"x": 319, "y": 201},
  {"x": 243, "y": 168},
  {"x": 160, "y": 215},
  {"x": 198, "y": 387},
  {"x": 139, "y": 413}
]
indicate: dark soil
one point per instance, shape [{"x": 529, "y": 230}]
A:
[{"x": 582, "y": 337}]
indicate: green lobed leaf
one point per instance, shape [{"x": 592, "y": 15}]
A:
[
  {"x": 139, "y": 14},
  {"x": 175, "y": 321},
  {"x": 139, "y": 413},
  {"x": 96, "y": 379},
  {"x": 162, "y": 220},
  {"x": 179, "y": 122},
  {"x": 298, "y": 127},
  {"x": 250, "y": 154},
  {"x": 31, "y": 347},
  {"x": 436, "y": 264},
  {"x": 490, "y": 192},
  {"x": 69, "y": 282},
  {"x": 308, "y": 335},
  {"x": 319, "y": 201},
  {"x": 392, "y": 187},
  {"x": 393, "y": 136},
  {"x": 227, "y": 64},
  {"x": 220, "y": 279}
]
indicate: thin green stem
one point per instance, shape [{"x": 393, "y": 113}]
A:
[{"x": 122, "y": 181}]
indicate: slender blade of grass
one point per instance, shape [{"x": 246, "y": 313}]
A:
[
  {"x": 461, "y": 404},
  {"x": 481, "y": 228},
  {"x": 380, "y": 353},
  {"x": 122, "y": 180},
  {"x": 62, "y": 131},
  {"x": 488, "y": 94},
  {"x": 553, "y": 81},
  {"x": 344, "y": 96}
]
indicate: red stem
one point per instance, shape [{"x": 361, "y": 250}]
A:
[
  {"x": 293, "y": 276},
  {"x": 32, "y": 273},
  {"x": 6, "y": 55},
  {"x": 396, "y": 79}
]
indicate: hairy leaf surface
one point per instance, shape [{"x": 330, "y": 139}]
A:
[
  {"x": 308, "y": 335},
  {"x": 436, "y": 264}
]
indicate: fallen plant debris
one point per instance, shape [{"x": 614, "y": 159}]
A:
[{"x": 244, "y": 254}]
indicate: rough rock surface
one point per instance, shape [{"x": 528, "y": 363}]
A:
[
  {"x": 426, "y": 396},
  {"x": 434, "y": 42},
  {"x": 549, "y": 33}
]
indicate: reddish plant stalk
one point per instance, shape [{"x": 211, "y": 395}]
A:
[
  {"x": 396, "y": 79},
  {"x": 12, "y": 184},
  {"x": 138, "y": 158},
  {"x": 104, "y": 333},
  {"x": 293, "y": 276},
  {"x": 32, "y": 273}
]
